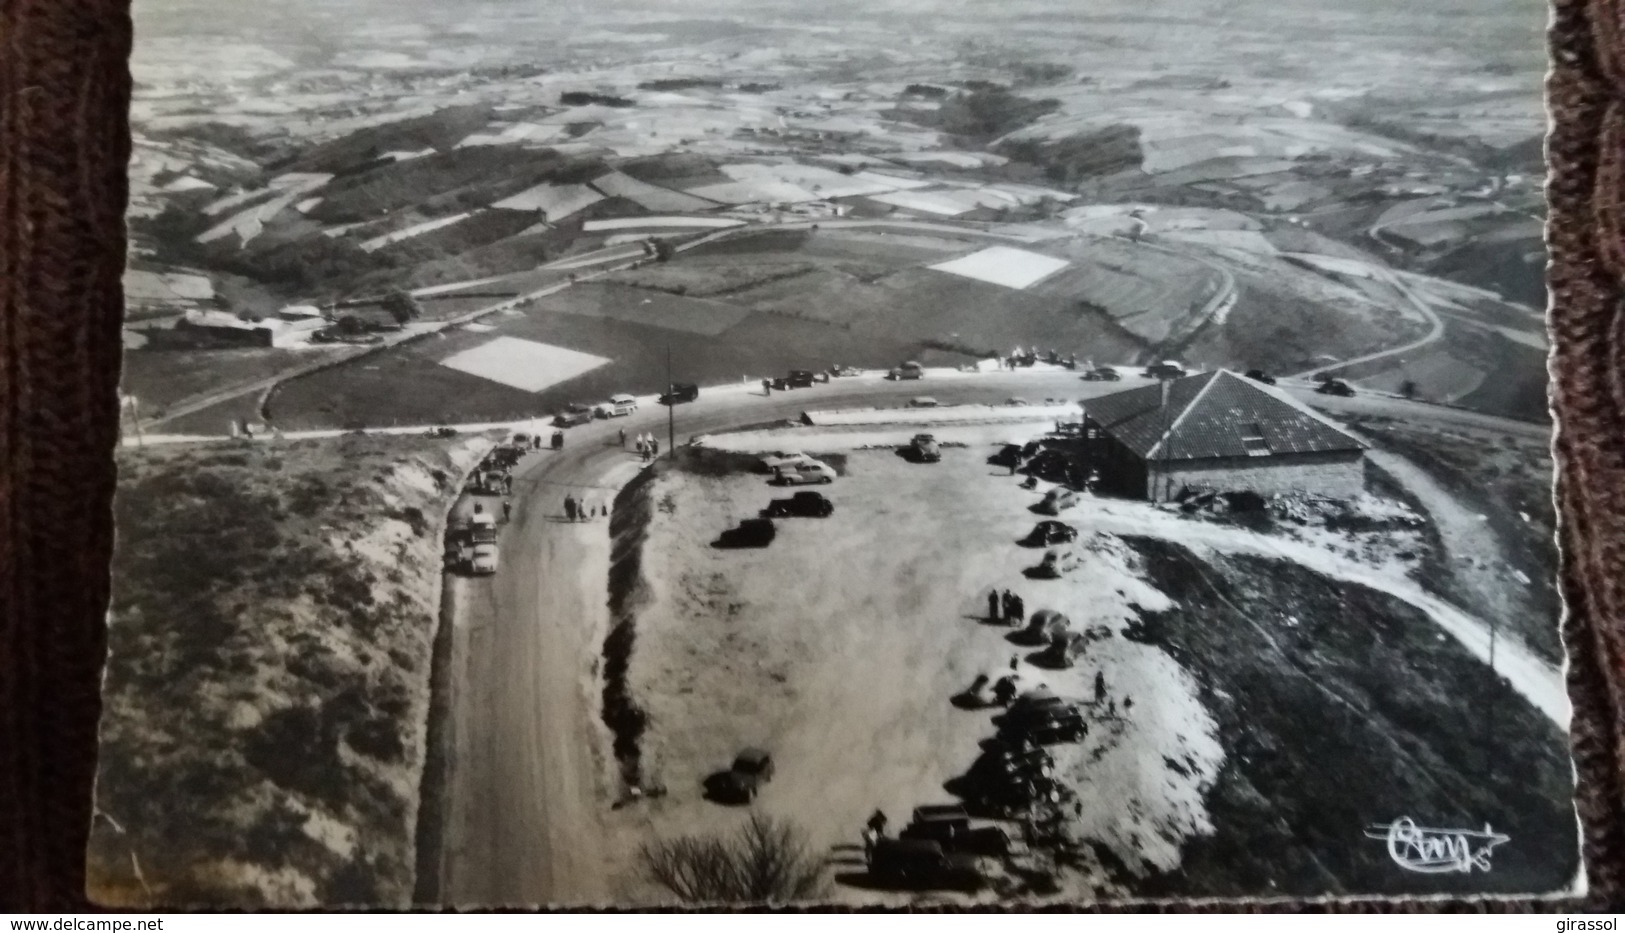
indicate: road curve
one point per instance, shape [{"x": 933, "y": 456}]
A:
[{"x": 529, "y": 766}]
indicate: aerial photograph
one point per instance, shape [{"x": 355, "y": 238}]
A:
[{"x": 700, "y": 452}]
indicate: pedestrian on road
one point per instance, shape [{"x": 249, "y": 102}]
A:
[
  {"x": 877, "y": 822},
  {"x": 623, "y": 438},
  {"x": 570, "y": 507},
  {"x": 869, "y": 839},
  {"x": 654, "y": 448},
  {"x": 767, "y": 387},
  {"x": 1100, "y": 686},
  {"x": 993, "y": 614},
  {"x": 1018, "y": 610},
  {"x": 1015, "y": 461},
  {"x": 1015, "y": 662},
  {"x": 507, "y": 510},
  {"x": 1006, "y": 606}
]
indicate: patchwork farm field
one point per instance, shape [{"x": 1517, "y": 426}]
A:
[{"x": 409, "y": 385}]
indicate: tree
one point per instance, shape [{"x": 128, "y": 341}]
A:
[
  {"x": 1408, "y": 388},
  {"x": 663, "y": 251},
  {"x": 765, "y": 861},
  {"x": 402, "y": 306}
]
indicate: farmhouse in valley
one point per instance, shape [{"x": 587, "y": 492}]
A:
[{"x": 1218, "y": 431}]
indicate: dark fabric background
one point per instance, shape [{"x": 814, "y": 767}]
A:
[{"x": 64, "y": 143}]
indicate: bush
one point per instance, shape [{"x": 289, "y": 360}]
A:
[{"x": 766, "y": 861}]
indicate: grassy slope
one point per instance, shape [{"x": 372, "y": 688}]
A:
[
  {"x": 1340, "y": 708},
  {"x": 267, "y": 684}
]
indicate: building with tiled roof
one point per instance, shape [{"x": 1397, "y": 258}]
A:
[{"x": 1219, "y": 431}]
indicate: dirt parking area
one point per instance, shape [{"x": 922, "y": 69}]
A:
[{"x": 842, "y": 646}]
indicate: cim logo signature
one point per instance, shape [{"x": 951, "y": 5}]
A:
[{"x": 1437, "y": 851}]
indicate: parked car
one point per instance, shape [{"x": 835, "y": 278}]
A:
[
  {"x": 752, "y": 768},
  {"x": 617, "y": 406},
  {"x": 572, "y": 416},
  {"x": 1047, "y": 533},
  {"x": 949, "y": 826},
  {"x": 441, "y": 432},
  {"x": 752, "y": 532},
  {"x": 922, "y": 863},
  {"x": 1167, "y": 369},
  {"x": 1102, "y": 374},
  {"x": 844, "y": 371},
  {"x": 680, "y": 392},
  {"x": 1335, "y": 387},
  {"x": 801, "y": 379},
  {"x": 482, "y": 559},
  {"x": 1057, "y": 500},
  {"x": 922, "y": 401},
  {"x": 909, "y": 370},
  {"x": 1017, "y": 402},
  {"x": 802, "y": 504},
  {"x": 804, "y": 474},
  {"x": 783, "y": 458},
  {"x": 1258, "y": 375},
  {"x": 925, "y": 448}
]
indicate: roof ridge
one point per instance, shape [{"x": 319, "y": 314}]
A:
[
  {"x": 1303, "y": 408},
  {"x": 1189, "y": 406}
]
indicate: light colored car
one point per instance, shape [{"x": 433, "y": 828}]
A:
[
  {"x": 925, "y": 448},
  {"x": 804, "y": 474},
  {"x": 483, "y": 560},
  {"x": 843, "y": 371},
  {"x": 1015, "y": 401},
  {"x": 618, "y": 406},
  {"x": 922, "y": 401},
  {"x": 784, "y": 458}
]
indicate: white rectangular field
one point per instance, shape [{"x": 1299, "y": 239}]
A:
[
  {"x": 1004, "y": 265},
  {"x": 522, "y": 364}
]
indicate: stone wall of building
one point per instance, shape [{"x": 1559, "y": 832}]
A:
[{"x": 1338, "y": 475}]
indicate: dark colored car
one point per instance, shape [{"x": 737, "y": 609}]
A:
[
  {"x": 922, "y": 863},
  {"x": 752, "y": 532},
  {"x": 1258, "y": 375},
  {"x": 1102, "y": 374},
  {"x": 1048, "y": 533},
  {"x": 802, "y": 504},
  {"x": 1336, "y": 387},
  {"x": 572, "y": 416},
  {"x": 1167, "y": 369},
  {"x": 801, "y": 379},
  {"x": 752, "y": 768},
  {"x": 680, "y": 392}
]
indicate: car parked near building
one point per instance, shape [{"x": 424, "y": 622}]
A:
[{"x": 909, "y": 370}]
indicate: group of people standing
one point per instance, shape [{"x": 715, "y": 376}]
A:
[
  {"x": 580, "y": 510},
  {"x": 1006, "y": 607},
  {"x": 648, "y": 446}
]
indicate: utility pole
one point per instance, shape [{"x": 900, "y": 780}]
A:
[{"x": 671, "y": 409}]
